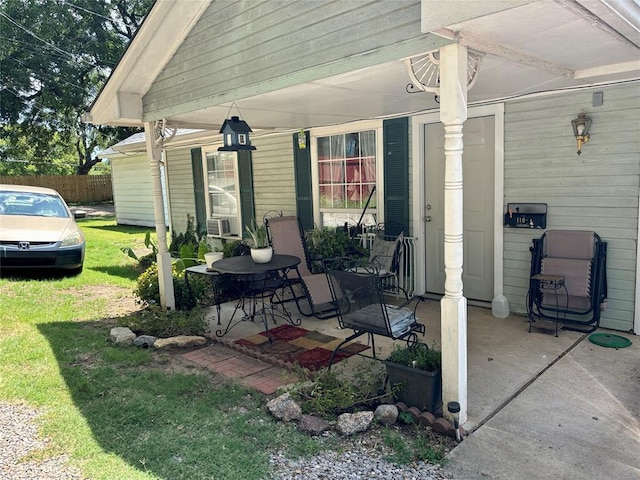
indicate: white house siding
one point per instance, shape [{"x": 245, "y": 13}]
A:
[
  {"x": 595, "y": 191},
  {"x": 132, "y": 190},
  {"x": 273, "y": 175},
  {"x": 239, "y": 49},
  {"x": 180, "y": 187}
]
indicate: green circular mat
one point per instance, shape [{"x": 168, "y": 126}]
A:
[{"x": 609, "y": 340}]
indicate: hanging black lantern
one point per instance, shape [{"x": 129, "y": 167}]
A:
[{"x": 235, "y": 134}]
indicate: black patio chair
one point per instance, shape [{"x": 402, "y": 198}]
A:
[
  {"x": 385, "y": 255},
  {"x": 357, "y": 292}
]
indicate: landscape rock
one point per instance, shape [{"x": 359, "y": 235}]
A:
[
  {"x": 145, "y": 341},
  {"x": 181, "y": 341},
  {"x": 284, "y": 408},
  {"x": 313, "y": 425},
  {"x": 122, "y": 335},
  {"x": 350, "y": 423},
  {"x": 386, "y": 414}
]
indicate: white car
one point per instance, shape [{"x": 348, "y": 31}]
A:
[{"x": 38, "y": 231}]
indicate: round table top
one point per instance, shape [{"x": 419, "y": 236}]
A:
[{"x": 244, "y": 265}]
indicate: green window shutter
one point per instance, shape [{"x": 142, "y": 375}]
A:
[
  {"x": 245, "y": 176},
  {"x": 198, "y": 189},
  {"x": 396, "y": 171},
  {"x": 304, "y": 190}
]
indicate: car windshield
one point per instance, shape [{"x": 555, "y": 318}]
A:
[{"x": 32, "y": 204}]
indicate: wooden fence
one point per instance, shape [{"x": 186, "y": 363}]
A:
[{"x": 73, "y": 188}]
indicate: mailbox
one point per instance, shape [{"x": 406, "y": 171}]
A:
[{"x": 526, "y": 215}]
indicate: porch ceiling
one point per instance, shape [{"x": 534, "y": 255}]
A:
[{"x": 538, "y": 46}]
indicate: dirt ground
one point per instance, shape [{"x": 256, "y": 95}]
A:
[{"x": 121, "y": 301}]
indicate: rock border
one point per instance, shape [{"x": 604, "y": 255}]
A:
[{"x": 284, "y": 408}]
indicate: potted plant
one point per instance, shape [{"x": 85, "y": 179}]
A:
[
  {"x": 415, "y": 376},
  {"x": 261, "y": 251}
]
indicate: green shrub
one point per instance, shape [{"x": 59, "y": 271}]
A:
[
  {"x": 331, "y": 243},
  {"x": 190, "y": 237},
  {"x": 417, "y": 355},
  {"x": 154, "y": 321},
  {"x": 235, "y": 248},
  {"x": 329, "y": 395},
  {"x": 148, "y": 289},
  {"x": 145, "y": 261}
]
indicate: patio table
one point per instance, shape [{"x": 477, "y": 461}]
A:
[
  {"x": 257, "y": 284},
  {"x": 215, "y": 277}
]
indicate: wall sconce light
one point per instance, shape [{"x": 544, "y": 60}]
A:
[{"x": 581, "y": 127}]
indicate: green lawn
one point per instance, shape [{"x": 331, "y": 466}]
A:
[{"x": 124, "y": 413}]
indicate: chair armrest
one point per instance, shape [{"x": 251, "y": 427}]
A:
[{"x": 417, "y": 299}]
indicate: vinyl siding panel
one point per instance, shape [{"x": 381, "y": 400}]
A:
[
  {"x": 180, "y": 187},
  {"x": 273, "y": 175},
  {"x": 597, "y": 190},
  {"x": 132, "y": 191},
  {"x": 251, "y": 47}
]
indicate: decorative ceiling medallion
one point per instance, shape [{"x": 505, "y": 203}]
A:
[{"x": 424, "y": 72}]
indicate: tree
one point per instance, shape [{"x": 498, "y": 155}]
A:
[{"x": 55, "y": 56}]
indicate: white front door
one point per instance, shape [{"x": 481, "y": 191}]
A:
[{"x": 478, "y": 177}]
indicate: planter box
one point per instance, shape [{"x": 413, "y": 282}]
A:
[{"x": 417, "y": 388}]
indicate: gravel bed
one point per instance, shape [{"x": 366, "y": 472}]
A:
[
  {"x": 350, "y": 465},
  {"x": 361, "y": 458},
  {"x": 18, "y": 440}
]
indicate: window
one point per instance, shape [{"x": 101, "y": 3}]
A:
[
  {"x": 347, "y": 178},
  {"x": 222, "y": 193}
]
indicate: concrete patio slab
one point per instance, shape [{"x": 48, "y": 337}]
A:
[{"x": 580, "y": 419}]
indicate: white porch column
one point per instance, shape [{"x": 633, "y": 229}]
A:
[
  {"x": 453, "y": 306},
  {"x": 165, "y": 276}
]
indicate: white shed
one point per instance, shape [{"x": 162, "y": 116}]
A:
[{"x": 132, "y": 186}]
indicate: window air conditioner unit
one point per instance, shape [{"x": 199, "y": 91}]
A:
[{"x": 217, "y": 227}]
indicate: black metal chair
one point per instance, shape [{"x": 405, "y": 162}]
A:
[
  {"x": 568, "y": 279},
  {"x": 357, "y": 292},
  {"x": 385, "y": 255}
]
